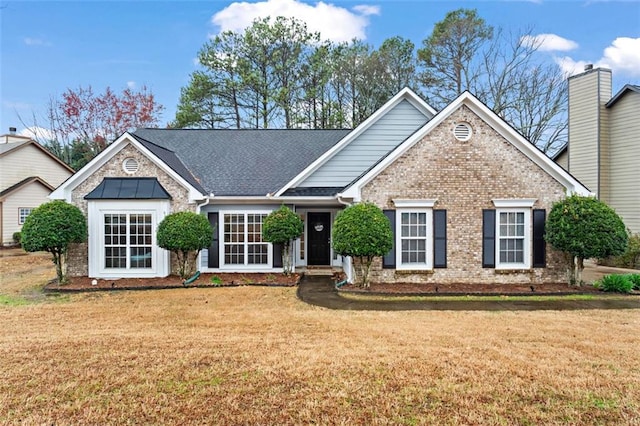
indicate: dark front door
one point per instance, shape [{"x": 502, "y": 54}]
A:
[{"x": 318, "y": 235}]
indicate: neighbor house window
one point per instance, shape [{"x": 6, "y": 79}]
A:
[
  {"x": 23, "y": 212},
  {"x": 414, "y": 234},
  {"x": 128, "y": 241},
  {"x": 242, "y": 239}
]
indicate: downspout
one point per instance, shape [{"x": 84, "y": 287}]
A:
[
  {"x": 349, "y": 273},
  {"x": 198, "y": 210}
]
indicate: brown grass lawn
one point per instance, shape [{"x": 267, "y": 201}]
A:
[{"x": 252, "y": 355}]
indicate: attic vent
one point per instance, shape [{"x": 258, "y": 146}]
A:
[
  {"x": 462, "y": 132},
  {"x": 130, "y": 165}
]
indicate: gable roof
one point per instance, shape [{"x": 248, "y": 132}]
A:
[
  {"x": 7, "y": 148},
  {"x": 626, "y": 89},
  {"x": 22, "y": 184},
  {"x": 493, "y": 120},
  {"x": 405, "y": 94},
  {"x": 244, "y": 162}
]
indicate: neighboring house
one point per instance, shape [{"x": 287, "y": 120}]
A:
[
  {"x": 466, "y": 194},
  {"x": 603, "y": 151},
  {"x": 28, "y": 174}
]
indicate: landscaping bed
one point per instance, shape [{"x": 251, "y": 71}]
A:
[
  {"x": 173, "y": 281},
  {"x": 469, "y": 289}
]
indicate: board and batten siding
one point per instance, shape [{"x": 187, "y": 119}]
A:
[
  {"x": 369, "y": 147},
  {"x": 588, "y": 128},
  {"x": 624, "y": 193}
]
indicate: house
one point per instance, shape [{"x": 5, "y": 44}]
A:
[
  {"x": 28, "y": 174},
  {"x": 603, "y": 151},
  {"x": 466, "y": 194}
]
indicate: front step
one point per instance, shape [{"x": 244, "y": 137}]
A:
[{"x": 319, "y": 271}]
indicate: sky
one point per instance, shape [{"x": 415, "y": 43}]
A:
[{"x": 48, "y": 47}]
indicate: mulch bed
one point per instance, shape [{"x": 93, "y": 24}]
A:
[
  {"x": 173, "y": 281},
  {"x": 469, "y": 289}
]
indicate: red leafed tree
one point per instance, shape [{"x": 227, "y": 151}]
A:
[{"x": 82, "y": 118}]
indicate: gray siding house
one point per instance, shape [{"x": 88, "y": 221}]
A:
[
  {"x": 465, "y": 194},
  {"x": 604, "y": 141}
]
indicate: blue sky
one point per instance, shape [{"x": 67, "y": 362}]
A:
[{"x": 49, "y": 46}]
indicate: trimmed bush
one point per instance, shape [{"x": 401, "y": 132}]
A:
[
  {"x": 185, "y": 234},
  {"x": 362, "y": 231},
  {"x": 584, "y": 228},
  {"x": 17, "y": 236},
  {"x": 53, "y": 227},
  {"x": 282, "y": 226},
  {"x": 615, "y": 283}
]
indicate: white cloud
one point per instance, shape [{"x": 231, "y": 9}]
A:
[
  {"x": 131, "y": 84},
  {"x": 623, "y": 56},
  {"x": 332, "y": 22},
  {"x": 30, "y": 41},
  {"x": 549, "y": 43},
  {"x": 38, "y": 133}
]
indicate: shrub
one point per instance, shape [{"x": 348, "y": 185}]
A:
[
  {"x": 185, "y": 234},
  {"x": 583, "y": 228},
  {"x": 635, "y": 279},
  {"x": 282, "y": 226},
  {"x": 53, "y": 227},
  {"x": 17, "y": 236},
  {"x": 362, "y": 231},
  {"x": 615, "y": 283},
  {"x": 631, "y": 256}
]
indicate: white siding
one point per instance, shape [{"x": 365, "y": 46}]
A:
[
  {"x": 30, "y": 161},
  {"x": 588, "y": 93},
  {"x": 368, "y": 148},
  {"x": 624, "y": 152},
  {"x": 30, "y": 196}
]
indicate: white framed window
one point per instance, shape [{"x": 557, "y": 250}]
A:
[
  {"x": 128, "y": 241},
  {"x": 23, "y": 212},
  {"x": 122, "y": 239},
  {"x": 513, "y": 233},
  {"x": 414, "y": 234},
  {"x": 242, "y": 239}
]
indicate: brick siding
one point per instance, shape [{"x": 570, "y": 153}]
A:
[{"x": 464, "y": 177}]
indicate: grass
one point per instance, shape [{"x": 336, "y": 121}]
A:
[{"x": 257, "y": 355}]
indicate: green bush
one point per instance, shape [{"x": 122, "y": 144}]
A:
[
  {"x": 362, "y": 231},
  {"x": 17, "y": 236},
  {"x": 631, "y": 256},
  {"x": 185, "y": 233},
  {"x": 635, "y": 279},
  {"x": 615, "y": 283},
  {"x": 584, "y": 228},
  {"x": 53, "y": 227},
  {"x": 282, "y": 226}
]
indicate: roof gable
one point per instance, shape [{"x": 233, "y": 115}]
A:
[
  {"x": 629, "y": 88},
  {"x": 341, "y": 155},
  {"x": 7, "y": 149},
  {"x": 491, "y": 119},
  {"x": 64, "y": 191},
  {"x": 23, "y": 183}
]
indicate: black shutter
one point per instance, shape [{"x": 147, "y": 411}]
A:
[
  {"x": 539, "y": 245},
  {"x": 277, "y": 256},
  {"x": 439, "y": 238},
  {"x": 214, "y": 250},
  {"x": 488, "y": 238},
  {"x": 389, "y": 259}
]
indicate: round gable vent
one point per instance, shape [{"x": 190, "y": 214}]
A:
[
  {"x": 462, "y": 132},
  {"x": 130, "y": 165}
]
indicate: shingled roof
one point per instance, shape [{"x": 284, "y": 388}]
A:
[{"x": 242, "y": 162}]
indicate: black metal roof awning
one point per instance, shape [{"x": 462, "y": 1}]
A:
[{"x": 129, "y": 189}]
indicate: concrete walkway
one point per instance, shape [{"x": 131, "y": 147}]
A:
[{"x": 320, "y": 291}]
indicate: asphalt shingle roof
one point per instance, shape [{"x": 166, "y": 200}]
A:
[{"x": 239, "y": 162}]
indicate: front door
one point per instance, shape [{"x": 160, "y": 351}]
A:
[{"x": 318, "y": 236}]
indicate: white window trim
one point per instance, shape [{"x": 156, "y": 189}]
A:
[
  {"x": 428, "y": 265},
  {"x": 514, "y": 202},
  {"x": 97, "y": 210},
  {"x": 245, "y": 266},
  {"x": 413, "y": 204},
  {"x": 336, "y": 259},
  {"x": 22, "y": 219},
  {"x": 527, "y": 239}
]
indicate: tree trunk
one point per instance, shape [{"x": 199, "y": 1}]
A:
[
  {"x": 286, "y": 258},
  {"x": 579, "y": 269}
]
